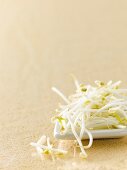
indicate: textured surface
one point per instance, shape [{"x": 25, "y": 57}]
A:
[{"x": 41, "y": 43}]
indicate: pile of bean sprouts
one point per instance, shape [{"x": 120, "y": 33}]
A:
[{"x": 102, "y": 106}]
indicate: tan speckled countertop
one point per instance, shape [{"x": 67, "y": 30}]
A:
[{"x": 41, "y": 43}]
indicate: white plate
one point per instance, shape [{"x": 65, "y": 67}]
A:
[{"x": 97, "y": 134}]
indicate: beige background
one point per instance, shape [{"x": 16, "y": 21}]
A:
[{"x": 41, "y": 43}]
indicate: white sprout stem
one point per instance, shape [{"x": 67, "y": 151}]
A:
[
  {"x": 42, "y": 140},
  {"x": 110, "y": 105},
  {"x": 83, "y": 129},
  {"x": 90, "y": 139},
  {"x": 109, "y": 83},
  {"x": 46, "y": 147},
  {"x": 48, "y": 142},
  {"x": 72, "y": 110},
  {"x": 76, "y": 136},
  {"x": 50, "y": 146},
  {"x": 78, "y": 115},
  {"x": 61, "y": 95},
  {"x": 77, "y": 84},
  {"x": 76, "y": 119},
  {"x": 116, "y": 84},
  {"x": 76, "y": 81}
]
